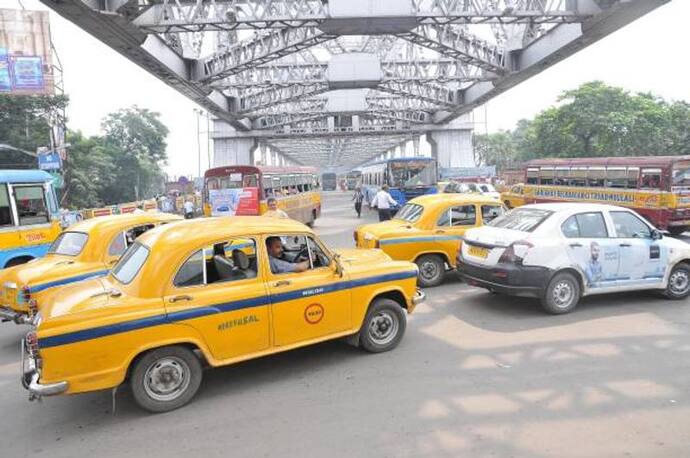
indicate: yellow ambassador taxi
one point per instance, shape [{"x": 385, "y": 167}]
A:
[
  {"x": 428, "y": 229},
  {"x": 202, "y": 291},
  {"x": 514, "y": 197},
  {"x": 86, "y": 249}
]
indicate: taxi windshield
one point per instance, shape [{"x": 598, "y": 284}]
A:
[
  {"x": 410, "y": 213},
  {"x": 130, "y": 264},
  {"x": 521, "y": 219},
  {"x": 69, "y": 244}
]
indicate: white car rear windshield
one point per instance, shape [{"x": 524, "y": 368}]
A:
[
  {"x": 69, "y": 243},
  {"x": 130, "y": 263},
  {"x": 521, "y": 219}
]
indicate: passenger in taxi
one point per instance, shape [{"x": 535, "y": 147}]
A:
[{"x": 279, "y": 265}]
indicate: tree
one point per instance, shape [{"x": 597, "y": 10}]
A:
[
  {"x": 495, "y": 149},
  {"x": 24, "y": 125},
  {"x": 135, "y": 138},
  {"x": 86, "y": 172}
]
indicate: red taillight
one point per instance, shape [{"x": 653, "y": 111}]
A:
[
  {"x": 32, "y": 343},
  {"x": 33, "y": 307},
  {"x": 26, "y": 293},
  {"x": 515, "y": 252}
]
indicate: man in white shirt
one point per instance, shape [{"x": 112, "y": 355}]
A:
[
  {"x": 188, "y": 209},
  {"x": 383, "y": 202}
]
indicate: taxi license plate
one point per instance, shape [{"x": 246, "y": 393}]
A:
[{"x": 478, "y": 252}]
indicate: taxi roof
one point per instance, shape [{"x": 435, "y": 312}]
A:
[
  {"x": 115, "y": 222},
  {"x": 451, "y": 197},
  {"x": 573, "y": 206},
  {"x": 193, "y": 231}
]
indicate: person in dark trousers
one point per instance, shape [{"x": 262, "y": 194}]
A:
[
  {"x": 358, "y": 197},
  {"x": 383, "y": 202}
]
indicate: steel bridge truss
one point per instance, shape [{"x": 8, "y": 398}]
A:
[{"x": 270, "y": 68}]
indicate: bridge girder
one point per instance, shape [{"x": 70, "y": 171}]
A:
[{"x": 264, "y": 66}]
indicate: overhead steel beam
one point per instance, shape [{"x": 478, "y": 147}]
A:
[
  {"x": 278, "y": 95},
  {"x": 454, "y": 42},
  {"x": 179, "y": 16},
  {"x": 431, "y": 93},
  {"x": 260, "y": 50}
]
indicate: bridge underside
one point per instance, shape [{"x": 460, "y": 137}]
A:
[{"x": 337, "y": 83}]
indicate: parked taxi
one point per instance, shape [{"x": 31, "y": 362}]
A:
[
  {"x": 86, "y": 249},
  {"x": 428, "y": 230},
  {"x": 514, "y": 197},
  {"x": 167, "y": 307}
]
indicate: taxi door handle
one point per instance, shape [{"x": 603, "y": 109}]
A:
[
  {"x": 184, "y": 297},
  {"x": 625, "y": 244},
  {"x": 575, "y": 245},
  {"x": 440, "y": 231},
  {"x": 282, "y": 283}
]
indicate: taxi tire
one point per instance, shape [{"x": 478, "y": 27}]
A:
[
  {"x": 439, "y": 265},
  {"x": 386, "y": 307},
  {"x": 561, "y": 280},
  {"x": 668, "y": 293},
  {"x": 152, "y": 357}
]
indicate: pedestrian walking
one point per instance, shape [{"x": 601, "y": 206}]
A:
[
  {"x": 188, "y": 209},
  {"x": 358, "y": 197},
  {"x": 383, "y": 202}
]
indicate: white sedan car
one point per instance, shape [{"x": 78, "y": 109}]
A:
[{"x": 562, "y": 251}]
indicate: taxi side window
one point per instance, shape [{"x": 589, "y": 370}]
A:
[
  {"x": 124, "y": 239},
  {"x": 465, "y": 215},
  {"x": 585, "y": 225},
  {"x": 300, "y": 248},
  {"x": 628, "y": 225},
  {"x": 490, "y": 212},
  {"x": 226, "y": 261},
  {"x": 319, "y": 258}
]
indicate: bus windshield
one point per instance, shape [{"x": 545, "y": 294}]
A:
[
  {"x": 405, "y": 174},
  {"x": 681, "y": 174}
]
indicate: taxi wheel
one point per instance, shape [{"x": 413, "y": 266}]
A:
[
  {"x": 383, "y": 327},
  {"x": 431, "y": 270},
  {"x": 166, "y": 378},
  {"x": 678, "y": 282},
  {"x": 562, "y": 294}
]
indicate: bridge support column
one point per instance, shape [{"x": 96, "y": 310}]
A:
[
  {"x": 228, "y": 149},
  {"x": 415, "y": 145},
  {"x": 452, "y": 148}
]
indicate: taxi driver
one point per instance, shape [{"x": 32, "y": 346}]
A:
[{"x": 279, "y": 265}]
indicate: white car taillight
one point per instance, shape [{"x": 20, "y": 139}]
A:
[{"x": 516, "y": 252}]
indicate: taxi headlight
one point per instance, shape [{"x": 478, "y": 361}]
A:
[{"x": 368, "y": 237}]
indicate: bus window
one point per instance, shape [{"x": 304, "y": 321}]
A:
[
  {"x": 562, "y": 176},
  {"x": 651, "y": 179},
  {"x": 250, "y": 181},
  {"x": 633, "y": 177},
  {"x": 546, "y": 175},
  {"x": 31, "y": 205},
  {"x": 596, "y": 177},
  {"x": 5, "y": 209},
  {"x": 533, "y": 176},
  {"x": 578, "y": 176},
  {"x": 616, "y": 177}
]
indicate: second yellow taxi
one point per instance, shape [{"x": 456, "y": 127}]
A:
[
  {"x": 428, "y": 230},
  {"x": 84, "y": 250},
  {"x": 237, "y": 288}
]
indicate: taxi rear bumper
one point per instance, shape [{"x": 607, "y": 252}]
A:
[
  {"x": 419, "y": 297},
  {"x": 31, "y": 374},
  {"x": 7, "y": 314}
]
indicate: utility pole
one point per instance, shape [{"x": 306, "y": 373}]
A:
[{"x": 198, "y": 141}]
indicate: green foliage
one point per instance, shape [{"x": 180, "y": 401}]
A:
[
  {"x": 24, "y": 125},
  {"x": 594, "y": 120}
]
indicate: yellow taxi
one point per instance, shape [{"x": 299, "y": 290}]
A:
[
  {"x": 87, "y": 249},
  {"x": 428, "y": 230},
  {"x": 208, "y": 292},
  {"x": 514, "y": 197}
]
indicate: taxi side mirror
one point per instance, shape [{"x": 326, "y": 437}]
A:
[
  {"x": 657, "y": 235},
  {"x": 337, "y": 265}
]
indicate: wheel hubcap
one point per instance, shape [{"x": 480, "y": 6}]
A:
[
  {"x": 429, "y": 270},
  {"x": 679, "y": 281},
  {"x": 167, "y": 379},
  {"x": 563, "y": 294},
  {"x": 383, "y": 327}
]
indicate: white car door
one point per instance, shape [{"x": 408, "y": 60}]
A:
[
  {"x": 643, "y": 260},
  {"x": 591, "y": 250}
]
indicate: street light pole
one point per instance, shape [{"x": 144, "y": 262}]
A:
[{"x": 198, "y": 141}]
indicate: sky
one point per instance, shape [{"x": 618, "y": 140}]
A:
[{"x": 645, "y": 56}]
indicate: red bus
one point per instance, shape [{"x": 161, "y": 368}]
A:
[{"x": 243, "y": 190}]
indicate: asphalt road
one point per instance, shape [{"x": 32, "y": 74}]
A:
[{"x": 476, "y": 375}]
